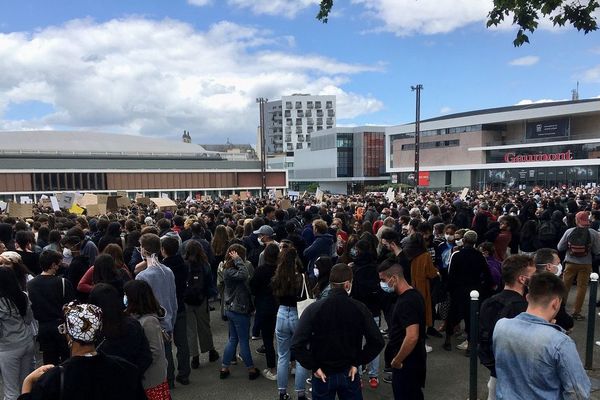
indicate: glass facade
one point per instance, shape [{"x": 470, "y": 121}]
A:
[
  {"x": 345, "y": 155},
  {"x": 374, "y": 154},
  {"x": 522, "y": 178},
  {"x": 55, "y": 181}
]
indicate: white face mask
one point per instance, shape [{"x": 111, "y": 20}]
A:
[
  {"x": 67, "y": 253},
  {"x": 559, "y": 269},
  {"x": 459, "y": 242},
  {"x": 449, "y": 238},
  {"x": 316, "y": 272},
  {"x": 349, "y": 289}
]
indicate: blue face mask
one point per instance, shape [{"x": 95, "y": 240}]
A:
[
  {"x": 353, "y": 252},
  {"x": 386, "y": 288},
  {"x": 125, "y": 302}
]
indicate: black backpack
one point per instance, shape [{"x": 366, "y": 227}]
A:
[
  {"x": 578, "y": 242},
  {"x": 491, "y": 311},
  {"x": 195, "y": 292},
  {"x": 547, "y": 232}
]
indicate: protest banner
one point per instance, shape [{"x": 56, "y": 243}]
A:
[{"x": 20, "y": 210}]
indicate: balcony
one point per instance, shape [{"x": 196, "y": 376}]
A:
[{"x": 288, "y": 105}]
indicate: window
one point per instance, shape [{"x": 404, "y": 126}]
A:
[
  {"x": 300, "y": 113},
  {"x": 298, "y": 121},
  {"x": 309, "y": 105},
  {"x": 318, "y": 104},
  {"x": 288, "y": 113},
  {"x": 68, "y": 181},
  {"x": 288, "y": 105},
  {"x": 298, "y": 146},
  {"x": 298, "y": 104},
  {"x": 329, "y": 104}
]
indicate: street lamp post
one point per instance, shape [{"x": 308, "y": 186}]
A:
[
  {"x": 263, "y": 151},
  {"x": 417, "y": 89}
]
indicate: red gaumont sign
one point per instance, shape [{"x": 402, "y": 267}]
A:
[{"x": 513, "y": 157}]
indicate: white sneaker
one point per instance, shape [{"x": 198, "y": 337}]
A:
[
  {"x": 428, "y": 348},
  {"x": 463, "y": 346},
  {"x": 269, "y": 375}
]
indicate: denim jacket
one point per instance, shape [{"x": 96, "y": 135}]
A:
[{"x": 537, "y": 360}]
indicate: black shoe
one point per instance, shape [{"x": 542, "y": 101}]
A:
[
  {"x": 447, "y": 346},
  {"x": 195, "y": 362},
  {"x": 431, "y": 331},
  {"x": 284, "y": 396},
  {"x": 254, "y": 374},
  {"x": 182, "y": 380},
  {"x": 224, "y": 374},
  {"x": 387, "y": 379},
  {"x": 213, "y": 355},
  {"x": 261, "y": 350},
  {"x": 387, "y": 370}
]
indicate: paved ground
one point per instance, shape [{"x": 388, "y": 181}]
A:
[{"x": 447, "y": 373}]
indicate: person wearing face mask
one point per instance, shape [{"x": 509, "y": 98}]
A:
[
  {"x": 323, "y": 245},
  {"x": 535, "y": 359},
  {"x": 48, "y": 293},
  {"x": 329, "y": 339},
  {"x": 517, "y": 270},
  {"x": 405, "y": 350},
  {"x": 547, "y": 259}
]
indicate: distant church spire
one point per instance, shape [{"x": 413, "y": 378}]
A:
[{"x": 186, "y": 137}]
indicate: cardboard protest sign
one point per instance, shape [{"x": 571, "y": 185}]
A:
[
  {"x": 144, "y": 200},
  {"x": 111, "y": 203},
  {"x": 75, "y": 209},
  {"x": 464, "y": 194},
  {"x": 278, "y": 194},
  {"x": 122, "y": 193},
  {"x": 234, "y": 197},
  {"x": 66, "y": 200},
  {"x": 54, "y": 202},
  {"x": 319, "y": 194},
  {"x": 162, "y": 203},
  {"x": 102, "y": 198},
  {"x": 207, "y": 198},
  {"x": 293, "y": 195},
  {"x": 20, "y": 210},
  {"x": 93, "y": 210},
  {"x": 123, "y": 202},
  {"x": 285, "y": 204},
  {"x": 87, "y": 199},
  {"x": 271, "y": 194}
]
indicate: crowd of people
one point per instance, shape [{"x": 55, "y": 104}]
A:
[{"x": 343, "y": 292}]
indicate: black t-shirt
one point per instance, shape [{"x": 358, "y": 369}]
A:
[
  {"x": 31, "y": 261},
  {"x": 409, "y": 310}
]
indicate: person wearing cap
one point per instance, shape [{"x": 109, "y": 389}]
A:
[
  {"x": 87, "y": 374},
  {"x": 578, "y": 264},
  {"x": 329, "y": 340},
  {"x": 265, "y": 237},
  {"x": 468, "y": 271}
]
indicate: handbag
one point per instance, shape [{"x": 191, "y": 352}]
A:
[{"x": 303, "y": 304}]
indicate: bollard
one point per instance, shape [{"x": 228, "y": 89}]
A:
[
  {"x": 591, "y": 322},
  {"x": 473, "y": 339}
]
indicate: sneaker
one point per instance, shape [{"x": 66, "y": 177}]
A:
[
  {"x": 578, "y": 317},
  {"x": 309, "y": 380},
  {"x": 387, "y": 379},
  {"x": 428, "y": 348},
  {"x": 463, "y": 346},
  {"x": 284, "y": 396},
  {"x": 269, "y": 375},
  {"x": 261, "y": 350},
  {"x": 374, "y": 382},
  {"x": 183, "y": 380},
  {"x": 255, "y": 337},
  {"x": 213, "y": 355}
]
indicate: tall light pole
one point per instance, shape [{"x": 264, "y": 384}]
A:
[
  {"x": 417, "y": 89},
  {"x": 263, "y": 151}
]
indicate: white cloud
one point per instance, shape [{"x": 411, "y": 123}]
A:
[
  {"x": 445, "y": 110},
  {"x": 407, "y": 17},
  {"x": 159, "y": 77},
  {"x": 199, "y": 3},
  {"x": 526, "y": 61},
  {"x": 591, "y": 75},
  {"x": 285, "y": 8},
  {"x": 526, "y": 102}
]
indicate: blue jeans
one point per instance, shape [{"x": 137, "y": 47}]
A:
[
  {"x": 374, "y": 365},
  {"x": 340, "y": 384},
  {"x": 239, "y": 332},
  {"x": 287, "y": 319}
]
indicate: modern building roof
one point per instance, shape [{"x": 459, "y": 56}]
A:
[
  {"x": 510, "y": 108},
  {"x": 86, "y": 143}
]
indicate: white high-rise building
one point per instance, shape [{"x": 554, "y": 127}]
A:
[{"x": 290, "y": 122}]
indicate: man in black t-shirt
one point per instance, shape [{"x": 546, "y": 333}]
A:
[{"x": 406, "y": 347}]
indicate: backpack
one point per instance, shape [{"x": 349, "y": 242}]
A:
[
  {"x": 490, "y": 313},
  {"x": 195, "y": 293},
  {"x": 547, "y": 232},
  {"x": 578, "y": 242}
]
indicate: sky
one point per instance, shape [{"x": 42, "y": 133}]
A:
[{"x": 159, "y": 67}]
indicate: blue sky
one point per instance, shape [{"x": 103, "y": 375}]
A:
[{"x": 159, "y": 67}]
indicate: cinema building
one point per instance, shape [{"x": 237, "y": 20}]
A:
[
  {"x": 520, "y": 147},
  {"x": 33, "y": 163}
]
